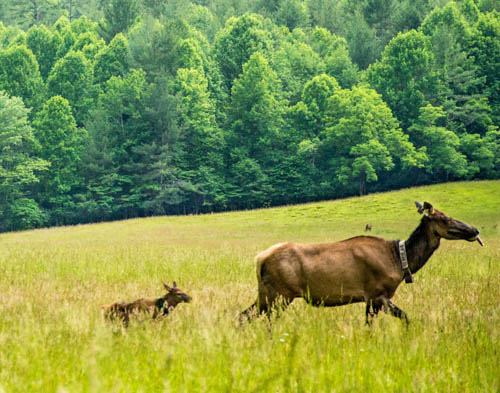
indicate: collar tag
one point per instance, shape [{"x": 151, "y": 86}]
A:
[{"x": 404, "y": 262}]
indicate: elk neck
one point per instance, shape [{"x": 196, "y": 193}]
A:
[{"x": 421, "y": 245}]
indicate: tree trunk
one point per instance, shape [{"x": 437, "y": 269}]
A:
[{"x": 362, "y": 183}]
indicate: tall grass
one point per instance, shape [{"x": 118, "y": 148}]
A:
[{"x": 53, "y": 281}]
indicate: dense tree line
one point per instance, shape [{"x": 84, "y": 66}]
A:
[{"x": 126, "y": 108}]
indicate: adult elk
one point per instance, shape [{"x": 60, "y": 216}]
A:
[{"x": 360, "y": 269}]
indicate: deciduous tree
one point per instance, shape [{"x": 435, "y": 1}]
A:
[
  {"x": 20, "y": 76},
  {"x": 362, "y": 139},
  {"x": 19, "y": 167},
  {"x": 72, "y": 79}
]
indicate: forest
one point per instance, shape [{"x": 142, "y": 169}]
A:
[{"x": 131, "y": 108}]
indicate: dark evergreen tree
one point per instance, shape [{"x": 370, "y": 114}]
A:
[{"x": 119, "y": 16}]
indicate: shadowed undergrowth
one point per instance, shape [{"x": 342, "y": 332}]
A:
[{"x": 53, "y": 281}]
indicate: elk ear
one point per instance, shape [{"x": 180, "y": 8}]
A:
[
  {"x": 419, "y": 206},
  {"x": 428, "y": 209},
  {"x": 167, "y": 287},
  {"x": 175, "y": 284}
]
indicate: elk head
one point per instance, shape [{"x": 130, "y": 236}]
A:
[
  {"x": 174, "y": 296},
  {"x": 444, "y": 226}
]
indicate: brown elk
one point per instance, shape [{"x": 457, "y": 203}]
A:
[
  {"x": 159, "y": 306},
  {"x": 368, "y": 227},
  {"x": 360, "y": 269}
]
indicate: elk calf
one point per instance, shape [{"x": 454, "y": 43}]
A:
[{"x": 159, "y": 306}]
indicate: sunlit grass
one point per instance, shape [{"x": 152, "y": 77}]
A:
[{"x": 53, "y": 282}]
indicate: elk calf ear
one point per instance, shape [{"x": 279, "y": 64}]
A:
[
  {"x": 167, "y": 287},
  {"x": 428, "y": 209},
  {"x": 419, "y": 206}
]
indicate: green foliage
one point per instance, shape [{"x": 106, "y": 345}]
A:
[
  {"x": 119, "y": 129},
  {"x": 295, "y": 64},
  {"x": 84, "y": 39},
  {"x": 63, "y": 28},
  {"x": 60, "y": 144},
  {"x": 20, "y": 76},
  {"x": 19, "y": 166},
  {"x": 256, "y": 109},
  {"x": 31, "y": 12},
  {"x": 480, "y": 153},
  {"x": 235, "y": 44},
  {"x": 442, "y": 145},
  {"x": 22, "y": 214},
  {"x": 333, "y": 53},
  {"x": 119, "y": 16},
  {"x": 202, "y": 106},
  {"x": 485, "y": 49},
  {"x": 71, "y": 77},
  {"x": 44, "y": 45},
  {"x": 83, "y": 25},
  {"x": 362, "y": 138},
  {"x": 155, "y": 46},
  {"x": 9, "y": 35},
  {"x": 404, "y": 75},
  {"x": 362, "y": 41},
  {"x": 112, "y": 60},
  {"x": 292, "y": 14},
  {"x": 190, "y": 55},
  {"x": 201, "y": 138},
  {"x": 310, "y": 114}
]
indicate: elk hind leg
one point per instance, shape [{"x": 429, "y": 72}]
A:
[
  {"x": 373, "y": 306},
  {"x": 263, "y": 304},
  {"x": 249, "y": 313}
]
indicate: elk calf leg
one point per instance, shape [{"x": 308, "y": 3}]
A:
[{"x": 249, "y": 313}]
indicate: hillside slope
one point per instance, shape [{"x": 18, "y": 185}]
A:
[{"x": 53, "y": 282}]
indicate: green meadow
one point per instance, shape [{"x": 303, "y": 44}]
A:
[{"x": 53, "y": 282}]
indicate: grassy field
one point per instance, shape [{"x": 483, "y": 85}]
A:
[{"x": 53, "y": 282}]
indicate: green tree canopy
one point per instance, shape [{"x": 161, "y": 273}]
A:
[
  {"x": 20, "y": 76},
  {"x": 362, "y": 138},
  {"x": 112, "y": 60},
  {"x": 19, "y": 167},
  {"x": 485, "y": 48},
  {"x": 235, "y": 44},
  {"x": 442, "y": 145},
  {"x": 72, "y": 79},
  {"x": 256, "y": 110},
  {"x": 119, "y": 16},
  {"x": 44, "y": 45},
  {"x": 60, "y": 144},
  {"x": 404, "y": 75}
]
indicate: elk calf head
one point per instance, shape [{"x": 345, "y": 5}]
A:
[{"x": 171, "y": 299}]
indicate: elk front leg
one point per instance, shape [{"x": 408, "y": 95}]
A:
[{"x": 397, "y": 312}]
